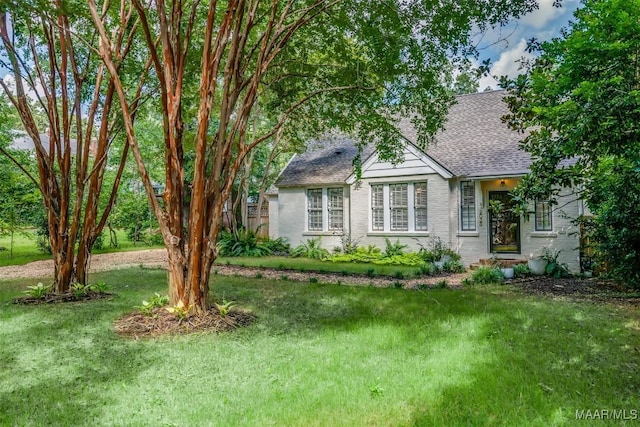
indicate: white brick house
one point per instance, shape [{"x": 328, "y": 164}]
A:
[{"x": 444, "y": 192}]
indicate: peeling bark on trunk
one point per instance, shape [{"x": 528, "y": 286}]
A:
[
  {"x": 71, "y": 185},
  {"x": 234, "y": 61}
]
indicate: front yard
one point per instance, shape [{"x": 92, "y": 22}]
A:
[{"x": 321, "y": 354}]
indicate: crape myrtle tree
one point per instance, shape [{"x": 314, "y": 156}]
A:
[
  {"x": 314, "y": 65},
  {"x": 46, "y": 47},
  {"x": 580, "y": 102}
]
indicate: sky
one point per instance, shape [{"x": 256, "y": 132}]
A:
[
  {"x": 507, "y": 46},
  {"x": 543, "y": 24}
]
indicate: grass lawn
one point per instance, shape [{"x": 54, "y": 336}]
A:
[
  {"x": 324, "y": 355},
  {"x": 25, "y": 249}
]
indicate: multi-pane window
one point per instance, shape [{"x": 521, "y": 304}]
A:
[
  {"x": 314, "y": 209},
  {"x": 335, "y": 208},
  {"x": 467, "y": 206},
  {"x": 543, "y": 215},
  {"x": 420, "y": 205},
  {"x": 325, "y": 209},
  {"x": 399, "y": 205},
  {"x": 377, "y": 207}
]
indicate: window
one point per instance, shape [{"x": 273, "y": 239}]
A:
[
  {"x": 325, "y": 209},
  {"x": 420, "y": 205},
  {"x": 543, "y": 215},
  {"x": 335, "y": 208},
  {"x": 314, "y": 209},
  {"x": 467, "y": 206},
  {"x": 399, "y": 207},
  {"x": 377, "y": 207}
]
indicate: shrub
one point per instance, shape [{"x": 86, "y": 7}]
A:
[
  {"x": 361, "y": 254},
  {"x": 554, "y": 268},
  {"x": 454, "y": 267},
  {"x": 486, "y": 275},
  {"x": 408, "y": 259},
  {"x": 278, "y": 246},
  {"x": 312, "y": 249},
  {"x": 436, "y": 249},
  {"x": 427, "y": 269},
  {"x": 243, "y": 243},
  {"x": 521, "y": 270},
  {"x": 393, "y": 249}
]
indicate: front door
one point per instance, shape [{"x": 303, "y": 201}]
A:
[{"x": 504, "y": 232}]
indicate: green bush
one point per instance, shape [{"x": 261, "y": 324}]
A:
[
  {"x": 436, "y": 249},
  {"x": 521, "y": 270},
  {"x": 454, "y": 267},
  {"x": 427, "y": 269},
  {"x": 486, "y": 275},
  {"x": 393, "y": 249},
  {"x": 312, "y": 249},
  {"x": 245, "y": 243},
  {"x": 554, "y": 267},
  {"x": 361, "y": 254}
]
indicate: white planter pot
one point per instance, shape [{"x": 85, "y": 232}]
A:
[
  {"x": 507, "y": 272},
  {"x": 537, "y": 266}
]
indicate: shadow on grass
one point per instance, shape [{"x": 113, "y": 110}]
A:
[{"x": 397, "y": 357}]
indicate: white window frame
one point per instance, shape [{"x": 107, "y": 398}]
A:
[
  {"x": 335, "y": 209},
  {"x": 470, "y": 207},
  {"x": 388, "y": 210},
  {"x": 329, "y": 211}
]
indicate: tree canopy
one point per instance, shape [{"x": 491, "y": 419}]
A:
[
  {"x": 313, "y": 66},
  {"x": 580, "y": 102}
]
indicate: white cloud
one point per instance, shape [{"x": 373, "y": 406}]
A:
[
  {"x": 508, "y": 64},
  {"x": 542, "y": 17}
]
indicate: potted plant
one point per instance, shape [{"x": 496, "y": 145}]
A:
[
  {"x": 508, "y": 272},
  {"x": 537, "y": 265}
]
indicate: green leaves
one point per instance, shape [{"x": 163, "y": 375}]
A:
[{"x": 581, "y": 104}]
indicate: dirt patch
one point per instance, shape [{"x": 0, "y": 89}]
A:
[
  {"x": 161, "y": 322},
  {"x": 60, "y": 298},
  {"x": 578, "y": 288}
]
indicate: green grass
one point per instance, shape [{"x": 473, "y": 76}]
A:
[
  {"x": 306, "y": 264},
  {"x": 322, "y": 355},
  {"x": 25, "y": 249}
]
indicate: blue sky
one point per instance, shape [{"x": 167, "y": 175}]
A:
[{"x": 543, "y": 24}]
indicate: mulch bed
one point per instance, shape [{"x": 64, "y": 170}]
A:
[
  {"x": 592, "y": 288},
  {"x": 137, "y": 325},
  {"x": 60, "y": 298}
]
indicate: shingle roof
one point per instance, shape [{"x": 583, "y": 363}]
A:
[
  {"x": 474, "y": 141},
  {"x": 327, "y": 161}
]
